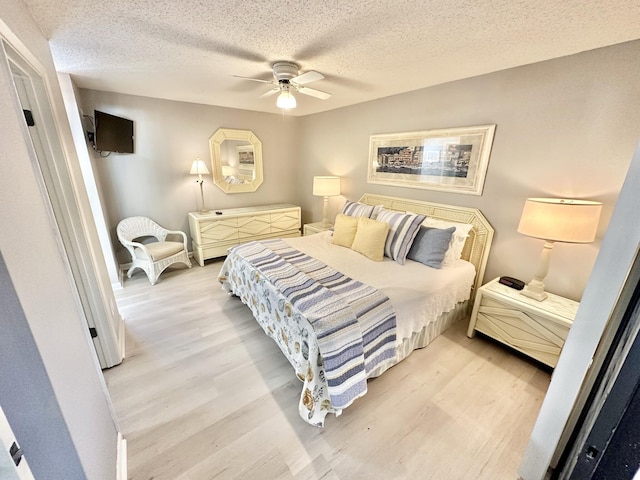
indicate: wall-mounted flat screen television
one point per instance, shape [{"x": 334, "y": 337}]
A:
[{"x": 113, "y": 134}]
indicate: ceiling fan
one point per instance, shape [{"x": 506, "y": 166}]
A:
[{"x": 286, "y": 79}]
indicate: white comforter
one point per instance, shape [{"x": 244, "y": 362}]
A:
[{"x": 418, "y": 293}]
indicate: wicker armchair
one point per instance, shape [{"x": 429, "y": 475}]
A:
[{"x": 151, "y": 257}]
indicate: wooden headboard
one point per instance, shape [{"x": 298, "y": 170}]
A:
[{"x": 476, "y": 249}]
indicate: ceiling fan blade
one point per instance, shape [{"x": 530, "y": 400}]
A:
[
  {"x": 314, "y": 93},
  {"x": 308, "y": 77},
  {"x": 268, "y": 93},
  {"x": 254, "y": 79}
]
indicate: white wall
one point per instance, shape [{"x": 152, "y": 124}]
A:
[
  {"x": 155, "y": 180},
  {"x": 65, "y": 369},
  {"x": 565, "y": 128}
]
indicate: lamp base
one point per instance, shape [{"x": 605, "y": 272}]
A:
[
  {"x": 534, "y": 290},
  {"x": 325, "y": 207},
  {"x": 203, "y": 209}
]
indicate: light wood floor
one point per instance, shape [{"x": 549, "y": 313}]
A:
[{"x": 204, "y": 393}]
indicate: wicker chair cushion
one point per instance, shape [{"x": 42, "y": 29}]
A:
[{"x": 160, "y": 250}]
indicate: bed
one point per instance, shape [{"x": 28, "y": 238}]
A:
[{"x": 341, "y": 318}]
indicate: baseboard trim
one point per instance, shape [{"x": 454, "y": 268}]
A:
[
  {"x": 121, "y": 336},
  {"x": 121, "y": 460}
]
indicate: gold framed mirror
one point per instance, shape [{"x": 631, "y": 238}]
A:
[{"x": 236, "y": 156}]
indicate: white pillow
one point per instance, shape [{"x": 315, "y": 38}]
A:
[{"x": 458, "y": 239}]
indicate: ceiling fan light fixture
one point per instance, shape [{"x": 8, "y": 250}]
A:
[
  {"x": 286, "y": 78},
  {"x": 286, "y": 100}
]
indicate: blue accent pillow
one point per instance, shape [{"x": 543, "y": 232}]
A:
[{"x": 430, "y": 245}]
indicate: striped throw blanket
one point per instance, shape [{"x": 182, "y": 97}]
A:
[{"x": 354, "y": 324}]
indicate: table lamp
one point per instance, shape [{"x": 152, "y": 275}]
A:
[
  {"x": 198, "y": 167},
  {"x": 556, "y": 220},
  {"x": 326, "y": 187}
]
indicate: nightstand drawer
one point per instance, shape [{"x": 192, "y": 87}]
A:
[
  {"x": 311, "y": 228},
  {"x": 537, "y": 329},
  {"x": 535, "y": 336}
]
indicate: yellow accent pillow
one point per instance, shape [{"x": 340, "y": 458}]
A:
[
  {"x": 344, "y": 230},
  {"x": 370, "y": 238}
]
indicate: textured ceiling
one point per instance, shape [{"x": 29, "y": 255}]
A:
[{"x": 189, "y": 50}]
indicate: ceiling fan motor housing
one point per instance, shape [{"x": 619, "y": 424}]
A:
[{"x": 285, "y": 71}]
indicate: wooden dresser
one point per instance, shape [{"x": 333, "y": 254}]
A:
[{"x": 213, "y": 234}]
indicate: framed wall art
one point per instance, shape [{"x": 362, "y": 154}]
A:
[{"x": 451, "y": 160}]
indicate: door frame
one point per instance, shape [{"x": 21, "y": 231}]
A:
[
  {"x": 615, "y": 384},
  {"x": 65, "y": 194}
]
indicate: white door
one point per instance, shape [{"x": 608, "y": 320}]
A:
[
  {"x": 107, "y": 338},
  {"x": 13, "y": 464}
]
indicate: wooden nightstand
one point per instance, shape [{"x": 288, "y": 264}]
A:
[
  {"x": 537, "y": 329},
  {"x": 311, "y": 228}
]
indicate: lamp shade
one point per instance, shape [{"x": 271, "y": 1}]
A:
[
  {"x": 228, "y": 171},
  {"x": 326, "y": 186},
  {"x": 198, "y": 167},
  {"x": 560, "y": 220}
]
